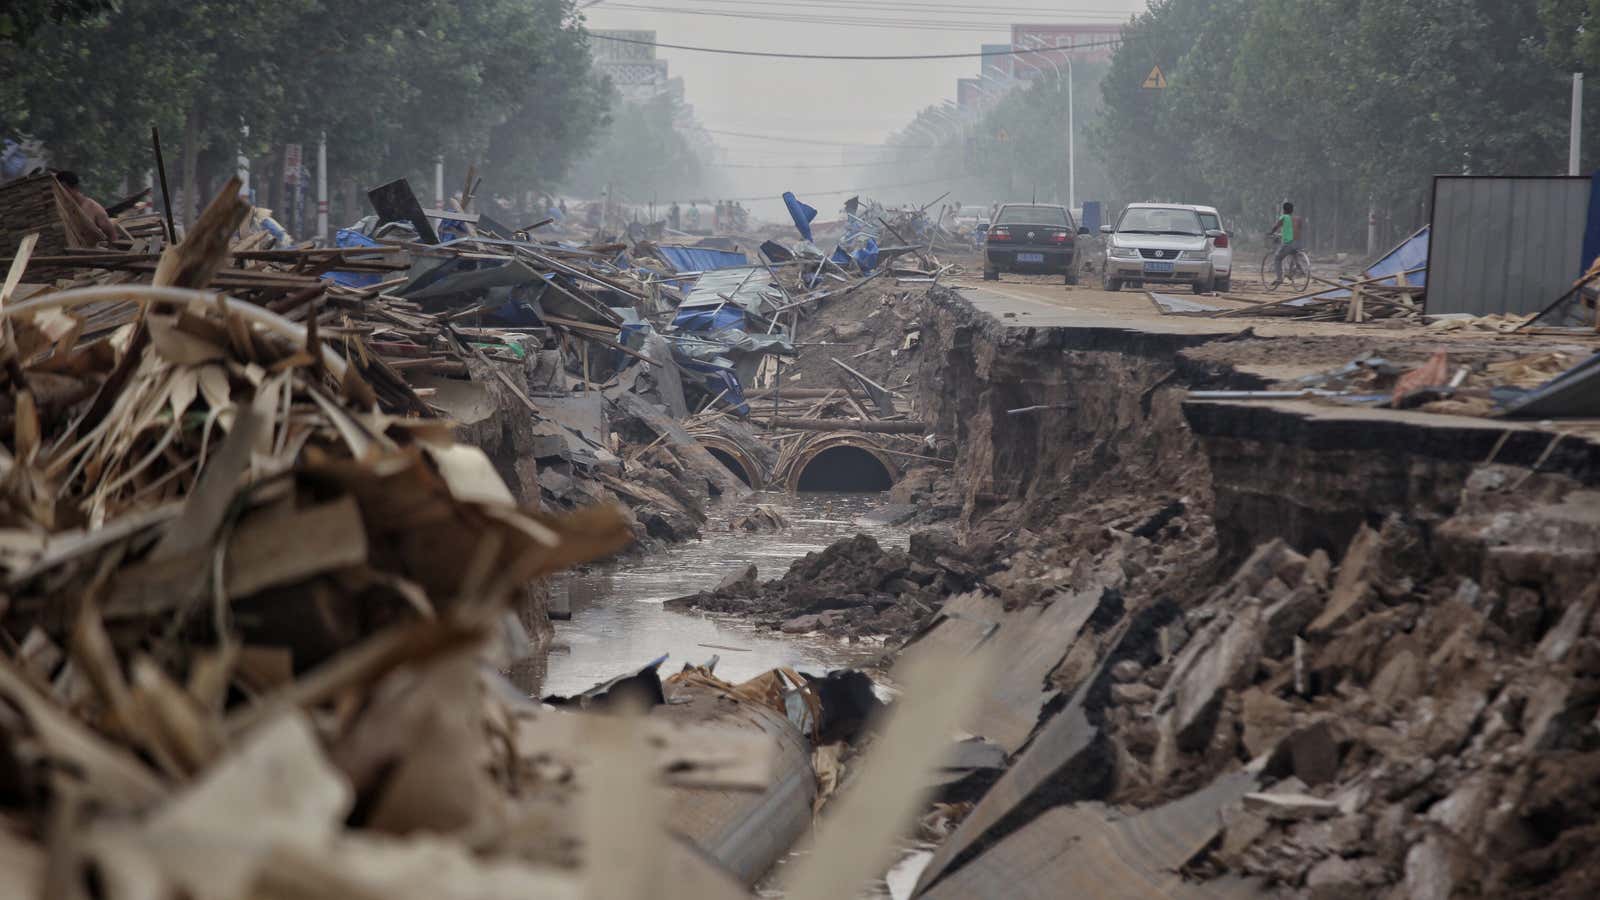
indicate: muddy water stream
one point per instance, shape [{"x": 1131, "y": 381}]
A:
[{"x": 619, "y": 624}]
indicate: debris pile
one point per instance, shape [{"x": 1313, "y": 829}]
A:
[
  {"x": 1417, "y": 717},
  {"x": 1548, "y": 383},
  {"x": 1394, "y": 287}
]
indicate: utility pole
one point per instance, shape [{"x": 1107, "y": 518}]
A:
[
  {"x": 1072, "y": 150},
  {"x": 322, "y": 186},
  {"x": 1575, "y": 140},
  {"x": 438, "y": 182}
]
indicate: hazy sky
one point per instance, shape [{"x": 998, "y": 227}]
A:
[{"x": 846, "y": 101}]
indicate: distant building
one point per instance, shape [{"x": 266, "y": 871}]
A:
[
  {"x": 631, "y": 63},
  {"x": 1084, "y": 43},
  {"x": 997, "y": 61},
  {"x": 1003, "y": 68}
]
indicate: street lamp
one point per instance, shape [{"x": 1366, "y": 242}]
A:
[{"x": 1072, "y": 149}]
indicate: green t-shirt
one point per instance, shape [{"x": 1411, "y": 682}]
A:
[{"x": 1286, "y": 228}]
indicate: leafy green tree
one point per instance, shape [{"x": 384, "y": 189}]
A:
[
  {"x": 393, "y": 86},
  {"x": 20, "y": 19},
  {"x": 1336, "y": 103}
]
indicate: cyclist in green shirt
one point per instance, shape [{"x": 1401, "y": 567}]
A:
[{"x": 1288, "y": 240}]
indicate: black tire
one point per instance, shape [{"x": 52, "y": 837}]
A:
[
  {"x": 1111, "y": 284},
  {"x": 1224, "y": 284},
  {"x": 991, "y": 274},
  {"x": 1202, "y": 287},
  {"x": 1268, "y": 272},
  {"x": 1072, "y": 276},
  {"x": 1299, "y": 277}
]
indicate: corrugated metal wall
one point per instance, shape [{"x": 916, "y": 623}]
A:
[{"x": 1504, "y": 245}]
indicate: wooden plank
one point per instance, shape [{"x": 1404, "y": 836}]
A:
[
  {"x": 19, "y": 264},
  {"x": 693, "y": 453}
]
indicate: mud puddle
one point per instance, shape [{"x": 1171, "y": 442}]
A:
[{"x": 618, "y": 622}]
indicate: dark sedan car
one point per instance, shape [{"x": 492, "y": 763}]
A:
[{"x": 1032, "y": 239}]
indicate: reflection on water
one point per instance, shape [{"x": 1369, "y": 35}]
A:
[{"x": 618, "y": 623}]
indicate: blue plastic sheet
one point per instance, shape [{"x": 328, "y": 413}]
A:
[
  {"x": 345, "y": 237},
  {"x": 716, "y": 379},
  {"x": 1411, "y": 255},
  {"x": 802, "y": 214},
  {"x": 1591, "y": 231},
  {"x": 710, "y": 319},
  {"x": 700, "y": 259}
]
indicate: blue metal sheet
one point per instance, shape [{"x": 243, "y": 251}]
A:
[{"x": 700, "y": 259}]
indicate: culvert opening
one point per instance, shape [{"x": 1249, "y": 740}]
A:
[
  {"x": 845, "y": 470},
  {"x": 733, "y": 465}
]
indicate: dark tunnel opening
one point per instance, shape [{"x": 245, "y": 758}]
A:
[
  {"x": 845, "y": 470},
  {"x": 733, "y": 465}
]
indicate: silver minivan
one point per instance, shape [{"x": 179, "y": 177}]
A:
[{"x": 1160, "y": 243}]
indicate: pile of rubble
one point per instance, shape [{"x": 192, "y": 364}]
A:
[
  {"x": 1417, "y": 718},
  {"x": 258, "y": 583}
]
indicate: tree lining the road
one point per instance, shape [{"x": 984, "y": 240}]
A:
[
  {"x": 507, "y": 85},
  {"x": 1337, "y": 103}
]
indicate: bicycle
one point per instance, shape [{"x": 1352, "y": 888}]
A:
[{"x": 1296, "y": 269}]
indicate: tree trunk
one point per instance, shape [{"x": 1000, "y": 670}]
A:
[
  {"x": 352, "y": 204},
  {"x": 191, "y": 158}
]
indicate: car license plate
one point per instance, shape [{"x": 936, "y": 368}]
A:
[
  {"x": 1160, "y": 268},
  {"x": 1030, "y": 257}
]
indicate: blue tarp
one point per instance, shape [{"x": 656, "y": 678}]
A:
[
  {"x": 346, "y": 237},
  {"x": 710, "y": 319},
  {"x": 865, "y": 256},
  {"x": 1591, "y": 232},
  {"x": 700, "y": 259},
  {"x": 802, "y": 214},
  {"x": 1412, "y": 254}
]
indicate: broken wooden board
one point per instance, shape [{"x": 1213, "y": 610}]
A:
[
  {"x": 1033, "y": 641},
  {"x": 691, "y": 451},
  {"x": 1089, "y": 850}
]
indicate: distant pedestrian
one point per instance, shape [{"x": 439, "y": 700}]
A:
[
  {"x": 1288, "y": 235},
  {"x": 675, "y": 217},
  {"x": 694, "y": 217},
  {"x": 90, "y": 206}
]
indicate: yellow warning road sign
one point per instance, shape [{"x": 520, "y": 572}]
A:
[{"x": 1156, "y": 80}]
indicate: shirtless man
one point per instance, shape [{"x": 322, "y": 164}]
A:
[{"x": 90, "y": 207}]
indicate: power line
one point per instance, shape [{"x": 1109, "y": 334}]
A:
[
  {"x": 904, "y": 20},
  {"x": 723, "y": 51},
  {"x": 800, "y": 140},
  {"x": 787, "y": 167},
  {"x": 803, "y": 195}
]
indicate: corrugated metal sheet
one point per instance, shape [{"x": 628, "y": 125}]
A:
[
  {"x": 1504, "y": 245},
  {"x": 700, "y": 259},
  {"x": 750, "y": 288}
]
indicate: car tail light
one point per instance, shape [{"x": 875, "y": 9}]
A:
[
  {"x": 1220, "y": 242},
  {"x": 1061, "y": 237},
  {"x": 999, "y": 234}
]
